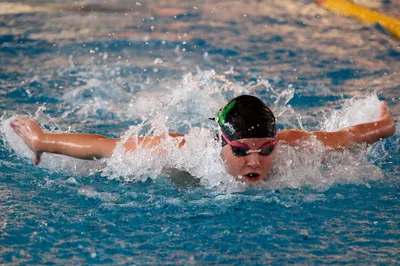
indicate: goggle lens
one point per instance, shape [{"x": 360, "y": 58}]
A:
[
  {"x": 242, "y": 151},
  {"x": 239, "y": 151},
  {"x": 267, "y": 150}
]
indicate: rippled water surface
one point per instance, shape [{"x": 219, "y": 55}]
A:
[{"x": 146, "y": 67}]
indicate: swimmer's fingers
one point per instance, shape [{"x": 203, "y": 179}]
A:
[
  {"x": 19, "y": 119},
  {"x": 383, "y": 110},
  {"x": 385, "y": 119},
  {"x": 25, "y": 125},
  {"x": 19, "y": 122},
  {"x": 18, "y": 125},
  {"x": 15, "y": 122},
  {"x": 28, "y": 130}
]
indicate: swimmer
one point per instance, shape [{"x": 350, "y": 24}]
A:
[{"x": 247, "y": 129}]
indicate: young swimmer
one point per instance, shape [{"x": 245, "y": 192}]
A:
[{"x": 248, "y": 133}]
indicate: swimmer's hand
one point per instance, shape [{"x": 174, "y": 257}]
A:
[
  {"x": 31, "y": 134},
  {"x": 368, "y": 133},
  {"x": 385, "y": 122},
  {"x": 384, "y": 112},
  {"x": 82, "y": 146}
]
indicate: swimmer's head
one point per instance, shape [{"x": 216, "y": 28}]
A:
[
  {"x": 246, "y": 117},
  {"x": 248, "y": 123}
]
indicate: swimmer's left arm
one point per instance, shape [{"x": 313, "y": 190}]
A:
[{"x": 369, "y": 133}]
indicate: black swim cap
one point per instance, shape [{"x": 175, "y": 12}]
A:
[{"x": 246, "y": 117}]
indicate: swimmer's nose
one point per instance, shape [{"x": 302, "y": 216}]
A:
[{"x": 253, "y": 160}]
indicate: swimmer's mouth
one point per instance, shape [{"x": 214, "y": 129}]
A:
[{"x": 252, "y": 176}]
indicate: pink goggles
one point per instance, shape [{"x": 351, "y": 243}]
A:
[{"x": 240, "y": 150}]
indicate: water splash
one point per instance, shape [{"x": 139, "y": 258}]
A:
[
  {"x": 185, "y": 106},
  {"x": 354, "y": 111},
  {"x": 199, "y": 157},
  {"x": 312, "y": 165}
]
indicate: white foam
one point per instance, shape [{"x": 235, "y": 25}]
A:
[
  {"x": 312, "y": 165},
  {"x": 187, "y": 105},
  {"x": 199, "y": 157},
  {"x": 354, "y": 111}
]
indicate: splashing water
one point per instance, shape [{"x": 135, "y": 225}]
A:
[
  {"x": 354, "y": 111},
  {"x": 199, "y": 157},
  {"x": 186, "y": 107},
  {"x": 312, "y": 165}
]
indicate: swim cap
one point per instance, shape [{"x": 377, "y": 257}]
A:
[{"x": 246, "y": 116}]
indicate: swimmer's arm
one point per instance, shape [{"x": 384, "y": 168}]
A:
[
  {"x": 368, "y": 133},
  {"x": 89, "y": 146},
  {"x": 82, "y": 146}
]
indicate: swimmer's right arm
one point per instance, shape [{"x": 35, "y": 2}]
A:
[
  {"x": 368, "y": 133},
  {"x": 82, "y": 146}
]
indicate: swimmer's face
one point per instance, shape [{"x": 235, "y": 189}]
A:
[{"x": 252, "y": 167}]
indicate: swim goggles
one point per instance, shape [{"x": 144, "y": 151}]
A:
[{"x": 241, "y": 150}]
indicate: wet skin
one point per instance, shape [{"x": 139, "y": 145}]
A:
[{"x": 250, "y": 168}]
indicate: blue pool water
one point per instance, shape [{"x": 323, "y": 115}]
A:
[{"x": 144, "y": 67}]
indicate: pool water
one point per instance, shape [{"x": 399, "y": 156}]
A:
[{"x": 148, "y": 67}]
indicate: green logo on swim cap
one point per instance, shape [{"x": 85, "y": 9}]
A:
[{"x": 222, "y": 114}]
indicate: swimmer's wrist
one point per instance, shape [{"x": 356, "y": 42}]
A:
[
  {"x": 44, "y": 143},
  {"x": 40, "y": 143}
]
